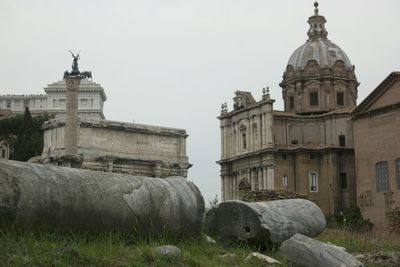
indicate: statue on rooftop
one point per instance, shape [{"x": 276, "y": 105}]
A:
[{"x": 75, "y": 68}]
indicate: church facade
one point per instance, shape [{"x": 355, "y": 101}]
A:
[{"x": 308, "y": 147}]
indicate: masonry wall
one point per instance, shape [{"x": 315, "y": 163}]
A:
[{"x": 377, "y": 139}]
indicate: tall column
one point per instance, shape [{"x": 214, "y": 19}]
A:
[
  {"x": 71, "y": 120},
  {"x": 260, "y": 183},
  {"x": 271, "y": 178},
  {"x": 264, "y": 170}
]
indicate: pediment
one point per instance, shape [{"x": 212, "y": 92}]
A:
[
  {"x": 340, "y": 82},
  {"x": 386, "y": 94},
  {"x": 313, "y": 83}
]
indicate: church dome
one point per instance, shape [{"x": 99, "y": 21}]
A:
[
  {"x": 318, "y": 47},
  {"x": 324, "y": 52},
  {"x": 319, "y": 76}
]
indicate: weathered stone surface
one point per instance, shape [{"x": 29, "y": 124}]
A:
[
  {"x": 209, "y": 239},
  {"x": 258, "y": 257},
  {"x": 60, "y": 197},
  {"x": 260, "y": 222},
  {"x": 168, "y": 251},
  {"x": 305, "y": 251}
]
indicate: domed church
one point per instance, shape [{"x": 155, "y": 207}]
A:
[{"x": 308, "y": 147}]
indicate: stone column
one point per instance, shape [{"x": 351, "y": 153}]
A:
[
  {"x": 234, "y": 179},
  {"x": 264, "y": 171},
  {"x": 223, "y": 177},
  {"x": 227, "y": 182},
  {"x": 268, "y": 128},
  {"x": 271, "y": 178},
  {"x": 250, "y": 133},
  {"x": 260, "y": 178},
  {"x": 264, "y": 137},
  {"x": 260, "y": 182},
  {"x": 252, "y": 181},
  {"x": 222, "y": 142},
  {"x": 71, "y": 120}
]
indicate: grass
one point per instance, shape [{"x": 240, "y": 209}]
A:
[
  {"x": 369, "y": 241},
  {"x": 23, "y": 247}
]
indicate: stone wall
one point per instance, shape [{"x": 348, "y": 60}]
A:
[{"x": 376, "y": 142}]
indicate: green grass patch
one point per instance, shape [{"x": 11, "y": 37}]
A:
[
  {"x": 369, "y": 241},
  {"x": 24, "y": 247}
]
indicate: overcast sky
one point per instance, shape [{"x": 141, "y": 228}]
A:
[{"x": 172, "y": 63}]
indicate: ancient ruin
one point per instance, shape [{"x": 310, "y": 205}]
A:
[
  {"x": 260, "y": 223},
  {"x": 67, "y": 198}
]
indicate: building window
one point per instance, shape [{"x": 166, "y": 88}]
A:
[
  {"x": 285, "y": 182},
  {"x": 343, "y": 181},
  {"x": 291, "y": 102},
  {"x": 340, "y": 98},
  {"x": 382, "y": 176},
  {"x": 397, "y": 163},
  {"x": 26, "y": 103},
  {"x": 313, "y": 176},
  {"x": 84, "y": 101},
  {"x": 342, "y": 140},
  {"x": 244, "y": 140},
  {"x": 314, "y": 99},
  {"x": 3, "y": 153},
  {"x": 284, "y": 156},
  {"x": 8, "y": 104}
]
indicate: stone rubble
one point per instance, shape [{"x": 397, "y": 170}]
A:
[
  {"x": 270, "y": 195},
  {"x": 167, "y": 251},
  {"x": 257, "y": 257}
]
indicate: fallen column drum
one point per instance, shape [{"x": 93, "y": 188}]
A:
[
  {"x": 260, "y": 223},
  {"x": 66, "y": 198}
]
